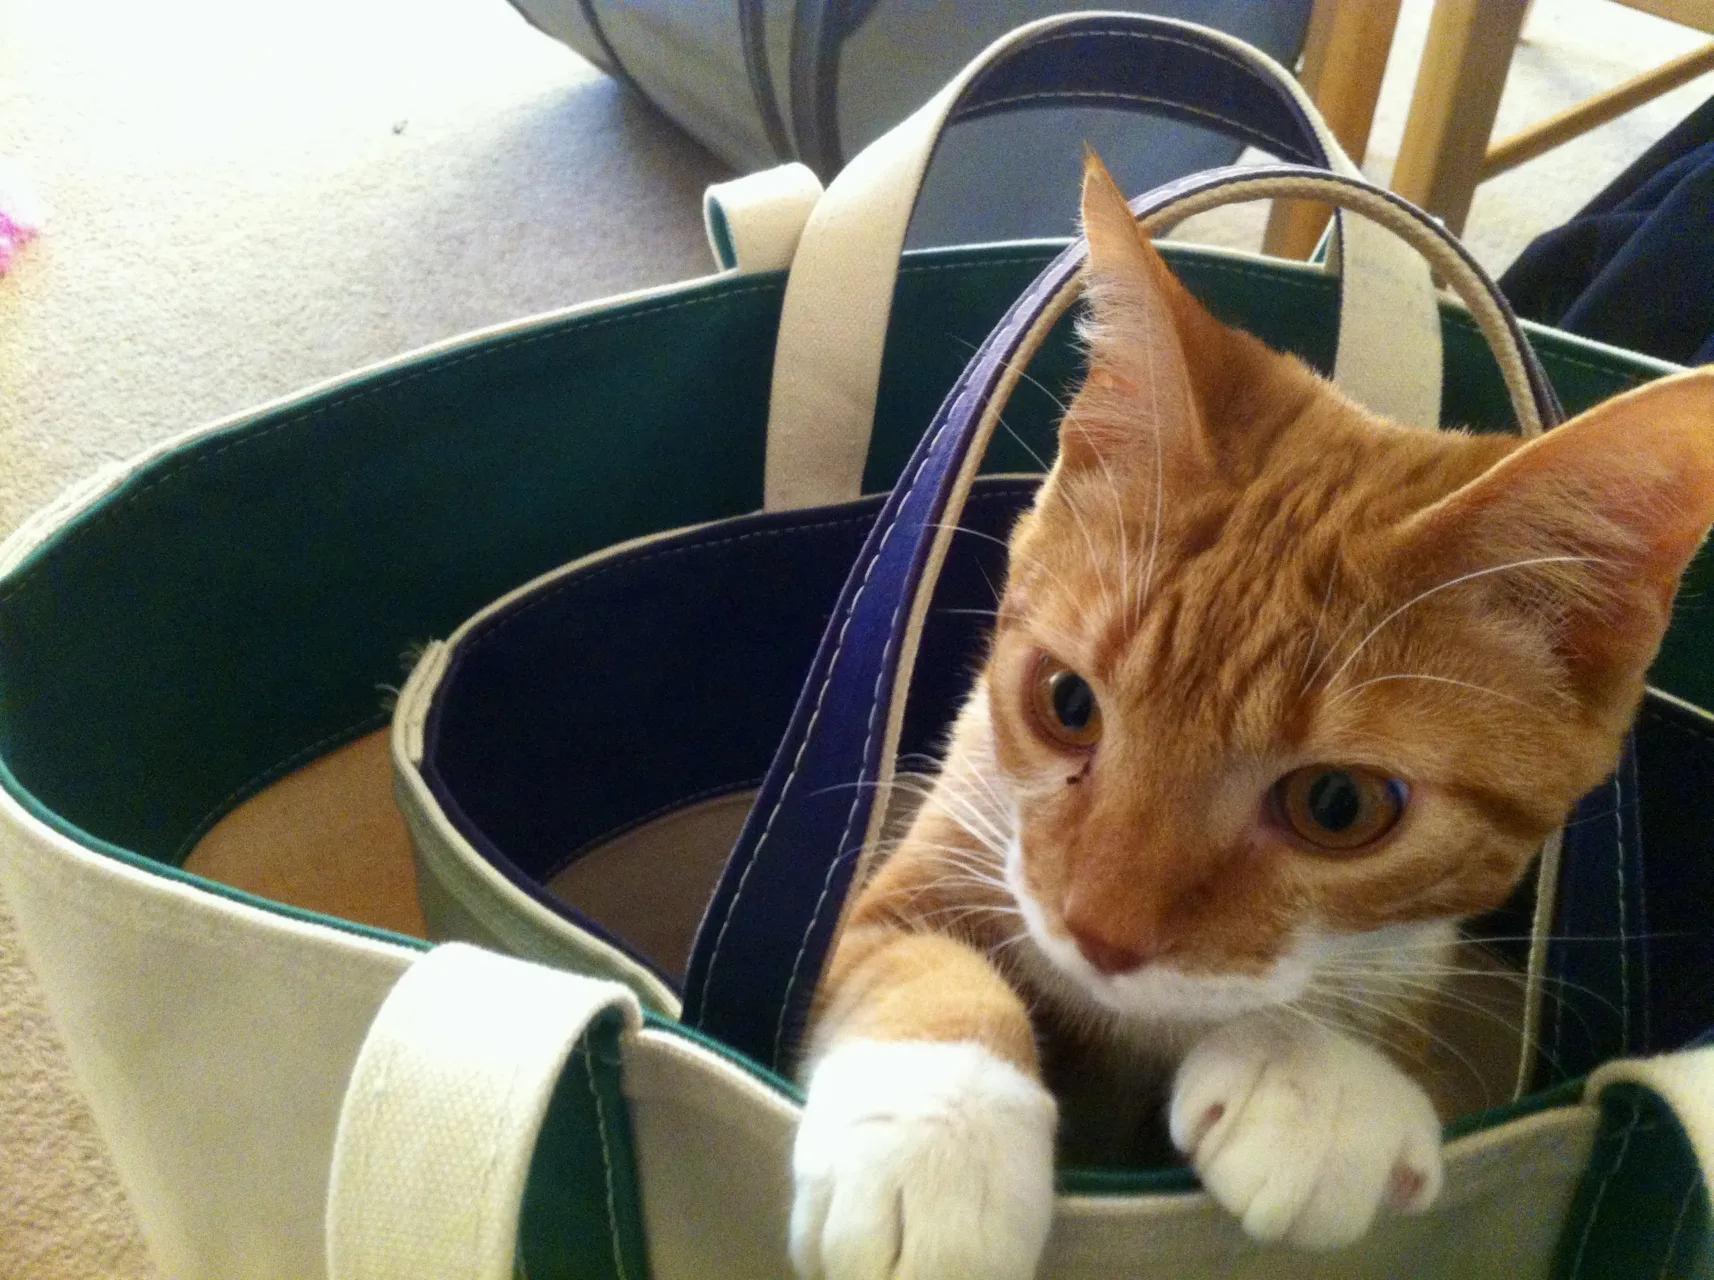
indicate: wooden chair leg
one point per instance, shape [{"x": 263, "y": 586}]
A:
[
  {"x": 1457, "y": 95},
  {"x": 1577, "y": 120},
  {"x": 1344, "y": 58}
]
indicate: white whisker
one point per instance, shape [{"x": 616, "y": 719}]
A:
[
  {"x": 1461, "y": 684},
  {"x": 1320, "y": 618},
  {"x": 1444, "y": 586}
]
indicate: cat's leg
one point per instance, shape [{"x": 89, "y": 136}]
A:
[
  {"x": 926, "y": 1148},
  {"x": 1304, "y": 1133}
]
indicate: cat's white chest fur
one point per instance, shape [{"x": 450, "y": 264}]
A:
[{"x": 920, "y": 1159}]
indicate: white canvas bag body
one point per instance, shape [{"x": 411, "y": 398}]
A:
[
  {"x": 1511, "y": 1183},
  {"x": 224, "y": 1042}
]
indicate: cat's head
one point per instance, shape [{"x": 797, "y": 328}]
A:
[{"x": 1278, "y": 684}]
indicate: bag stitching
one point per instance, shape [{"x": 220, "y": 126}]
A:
[
  {"x": 1690, "y": 1189},
  {"x": 1563, "y": 912},
  {"x": 1606, "y": 1179},
  {"x": 1690, "y": 730},
  {"x": 613, "y": 833},
  {"x": 926, "y": 268},
  {"x": 1630, "y": 377},
  {"x": 303, "y": 755},
  {"x": 1231, "y": 59},
  {"x": 785, "y": 788},
  {"x": 840, "y": 853},
  {"x": 486, "y": 350},
  {"x": 1463, "y": 323},
  {"x": 809, "y": 728},
  {"x": 909, "y": 487},
  {"x": 506, "y": 346},
  {"x": 1096, "y": 95},
  {"x": 1293, "y": 280},
  {"x": 1672, "y": 722},
  {"x": 573, "y": 580},
  {"x": 1624, "y": 936},
  {"x": 606, "y": 1165},
  {"x": 1644, "y": 937},
  {"x": 389, "y": 382},
  {"x": 1228, "y": 56}
]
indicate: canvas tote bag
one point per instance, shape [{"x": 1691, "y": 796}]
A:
[
  {"x": 183, "y": 631},
  {"x": 537, "y": 653}
]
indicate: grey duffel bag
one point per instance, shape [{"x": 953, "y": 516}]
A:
[{"x": 759, "y": 82}]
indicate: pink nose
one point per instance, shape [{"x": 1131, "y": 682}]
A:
[{"x": 1107, "y": 957}]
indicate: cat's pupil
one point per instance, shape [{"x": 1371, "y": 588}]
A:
[
  {"x": 1073, "y": 701},
  {"x": 1334, "y": 801}
]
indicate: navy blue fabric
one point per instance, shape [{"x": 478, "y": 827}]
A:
[
  {"x": 1596, "y": 1004},
  {"x": 1166, "y": 68},
  {"x": 1631, "y": 958},
  {"x": 759, "y": 954},
  {"x": 1633, "y": 266},
  {"x": 666, "y": 674},
  {"x": 1675, "y": 851}
]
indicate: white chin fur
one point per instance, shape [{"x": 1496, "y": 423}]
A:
[{"x": 1158, "y": 993}]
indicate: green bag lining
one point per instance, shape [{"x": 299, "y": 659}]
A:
[
  {"x": 103, "y": 736},
  {"x": 131, "y": 720},
  {"x": 1641, "y": 1209},
  {"x": 581, "y": 1217},
  {"x": 436, "y": 486}
]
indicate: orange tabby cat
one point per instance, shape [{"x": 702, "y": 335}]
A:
[{"x": 1279, "y": 691}]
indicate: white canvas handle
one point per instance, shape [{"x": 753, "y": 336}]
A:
[
  {"x": 1684, "y": 1081},
  {"x": 833, "y": 326},
  {"x": 754, "y": 222},
  {"x": 443, "y": 1111}
]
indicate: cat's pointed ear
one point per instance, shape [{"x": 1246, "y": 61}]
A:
[
  {"x": 1139, "y": 393},
  {"x": 1601, "y": 516}
]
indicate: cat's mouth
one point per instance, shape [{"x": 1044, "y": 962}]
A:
[{"x": 1156, "y": 990}]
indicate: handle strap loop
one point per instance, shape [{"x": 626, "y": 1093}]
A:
[{"x": 443, "y": 1110}]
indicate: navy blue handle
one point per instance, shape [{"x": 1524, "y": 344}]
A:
[
  {"x": 1164, "y": 67},
  {"x": 763, "y": 941},
  {"x": 1152, "y": 65}
]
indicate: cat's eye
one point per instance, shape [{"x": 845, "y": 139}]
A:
[
  {"x": 1340, "y": 807},
  {"x": 1064, "y": 705}
]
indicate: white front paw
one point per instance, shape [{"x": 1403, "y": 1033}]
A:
[
  {"x": 1303, "y": 1133},
  {"x": 921, "y": 1160}
]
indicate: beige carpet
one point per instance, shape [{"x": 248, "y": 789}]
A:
[{"x": 245, "y": 199}]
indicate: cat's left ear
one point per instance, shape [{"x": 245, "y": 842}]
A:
[
  {"x": 1601, "y": 515},
  {"x": 1140, "y": 394}
]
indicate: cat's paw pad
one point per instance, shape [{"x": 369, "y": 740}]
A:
[
  {"x": 921, "y": 1160},
  {"x": 1303, "y": 1134}
]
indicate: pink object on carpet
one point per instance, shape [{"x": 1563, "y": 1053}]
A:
[{"x": 20, "y": 216}]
